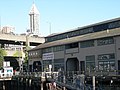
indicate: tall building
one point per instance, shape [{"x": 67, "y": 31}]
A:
[
  {"x": 34, "y": 20},
  {"x": 8, "y": 29}
]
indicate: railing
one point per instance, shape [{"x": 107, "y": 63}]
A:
[
  {"x": 72, "y": 73},
  {"x": 76, "y": 79},
  {"x": 73, "y": 79}
]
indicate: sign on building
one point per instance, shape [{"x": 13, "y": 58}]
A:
[{"x": 48, "y": 56}]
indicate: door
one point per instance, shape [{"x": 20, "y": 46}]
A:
[
  {"x": 82, "y": 66},
  {"x": 118, "y": 66}
]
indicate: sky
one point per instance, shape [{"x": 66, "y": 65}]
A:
[{"x": 60, "y": 15}]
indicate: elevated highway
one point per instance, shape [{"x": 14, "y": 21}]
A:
[{"x": 16, "y": 39}]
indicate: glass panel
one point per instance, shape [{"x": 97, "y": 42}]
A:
[
  {"x": 105, "y": 41},
  {"x": 85, "y": 44},
  {"x": 107, "y": 65},
  {"x": 87, "y": 66},
  {"x": 106, "y": 56},
  {"x": 114, "y": 24},
  {"x": 101, "y": 66},
  {"x": 90, "y": 58},
  {"x": 59, "y": 61},
  {"x": 46, "y": 50},
  {"x": 57, "y": 67},
  {"x": 71, "y": 45},
  {"x": 47, "y": 61},
  {"x": 112, "y": 65},
  {"x": 58, "y": 48},
  {"x": 90, "y": 66}
]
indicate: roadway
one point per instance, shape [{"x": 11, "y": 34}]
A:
[{"x": 15, "y": 39}]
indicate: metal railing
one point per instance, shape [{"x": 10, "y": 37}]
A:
[{"x": 74, "y": 79}]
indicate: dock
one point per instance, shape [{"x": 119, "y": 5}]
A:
[{"x": 63, "y": 81}]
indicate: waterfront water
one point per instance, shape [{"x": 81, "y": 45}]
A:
[{"x": 13, "y": 85}]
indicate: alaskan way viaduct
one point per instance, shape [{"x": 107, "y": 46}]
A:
[{"x": 33, "y": 40}]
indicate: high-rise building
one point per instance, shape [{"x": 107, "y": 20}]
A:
[{"x": 34, "y": 20}]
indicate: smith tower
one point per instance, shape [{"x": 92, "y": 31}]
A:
[{"x": 34, "y": 20}]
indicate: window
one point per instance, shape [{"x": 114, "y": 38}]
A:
[
  {"x": 46, "y": 64},
  {"x": 107, "y": 65},
  {"x": 90, "y": 63},
  {"x": 105, "y": 41},
  {"x": 100, "y": 27},
  {"x": 71, "y": 45},
  {"x": 114, "y": 25},
  {"x": 47, "y": 61},
  {"x": 73, "y": 33},
  {"x": 106, "y": 62},
  {"x": 58, "y": 48},
  {"x": 58, "y": 64},
  {"x": 86, "y": 30},
  {"x": 106, "y": 56},
  {"x": 46, "y": 50},
  {"x": 85, "y": 44}
]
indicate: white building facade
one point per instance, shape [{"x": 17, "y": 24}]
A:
[{"x": 34, "y": 20}]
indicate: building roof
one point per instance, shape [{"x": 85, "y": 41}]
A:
[
  {"x": 34, "y": 10},
  {"x": 103, "y": 22},
  {"x": 90, "y": 36}
]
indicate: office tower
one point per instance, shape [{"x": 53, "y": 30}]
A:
[{"x": 34, "y": 20}]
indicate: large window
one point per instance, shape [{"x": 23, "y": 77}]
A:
[
  {"x": 71, "y": 45},
  {"x": 86, "y": 30},
  {"x": 58, "y": 48},
  {"x": 105, "y": 41},
  {"x": 106, "y": 62},
  {"x": 46, "y": 64},
  {"x": 47, "y": 50},
  {"x": 85, "y": 44},
  {"x": 115, "y": 24},
  {"x": 73, "y": 33},
  {"x": 100, "y": 27},
  {"x": 90, "y": 63},
  {"x": 107, "y": 65},
  {"x": 58, "y": 64},
  {"x": 110, "y": 56}
]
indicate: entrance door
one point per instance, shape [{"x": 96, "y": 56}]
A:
[
  {"x": 37, "y": 67},
  {"x": 82, "y": 66},
  {"x": 30, "y": 68},
  {"x": 118, "y": 66},
  {"x": 72, "y": 64}
]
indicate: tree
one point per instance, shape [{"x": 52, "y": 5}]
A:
[
  {"x": 2, "y": 54},
  {"x": 17, "y": 54},
  {"x": 26, "y": 54}
]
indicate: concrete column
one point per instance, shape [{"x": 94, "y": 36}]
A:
[{"x": 93, "y": 82}]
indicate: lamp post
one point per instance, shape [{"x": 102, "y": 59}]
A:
[{"x": 49, "y": 26}]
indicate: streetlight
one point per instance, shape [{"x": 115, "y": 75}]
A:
[{"x": 49, "y": 26}]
